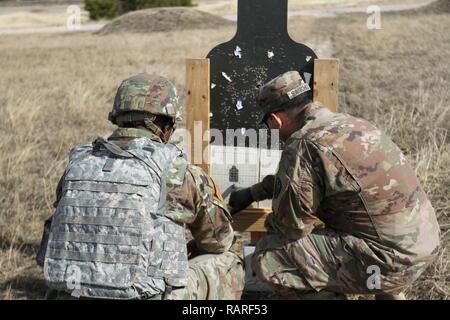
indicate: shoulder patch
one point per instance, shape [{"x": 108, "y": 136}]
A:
[{"x": 217, "y": 192}]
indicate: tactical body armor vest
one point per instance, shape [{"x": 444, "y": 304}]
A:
[{"x": 109, "y": 236}]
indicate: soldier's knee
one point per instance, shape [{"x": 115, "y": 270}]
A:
[
  {"x": 274, "y": 267},
  {"x": 217, "y": 276}
]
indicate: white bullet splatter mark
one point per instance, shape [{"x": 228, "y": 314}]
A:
[
  {"x": 307, "y": 77},
  {"x": 237, "y": 52},
  {"x": 226, "y": 76},
  {"x": 239, "y": 105},
  {"x": 270, "y": 54},
  {"x": 213, "y": 85},
  {"x": 308, "y": 58}
]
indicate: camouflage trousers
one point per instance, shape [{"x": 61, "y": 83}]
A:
[
  {"x": 325, "y": 260},
  {"x": 212, "y": 277}
]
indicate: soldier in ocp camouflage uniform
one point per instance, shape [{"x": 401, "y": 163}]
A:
[
  {"x": 380, "y": 229},
  {"x": 147, "y": 106}
]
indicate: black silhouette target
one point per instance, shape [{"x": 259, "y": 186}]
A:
[{"x": 261, "y": 50}]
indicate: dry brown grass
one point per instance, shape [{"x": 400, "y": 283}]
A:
[{"x": 58, "y": 89}]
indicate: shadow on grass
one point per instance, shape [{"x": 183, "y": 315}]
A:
[
  {"x": 28, "y": 285},
  {"x": 25, "y": 287},
  {"x": 27, "y": 248}
]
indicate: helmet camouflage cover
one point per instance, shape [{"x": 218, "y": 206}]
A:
[
  {"x": 152, "y": 94},
  {"x": 276, "y": 94}
]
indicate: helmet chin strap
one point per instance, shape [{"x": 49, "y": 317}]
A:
[{"x": 150, "y": 125}]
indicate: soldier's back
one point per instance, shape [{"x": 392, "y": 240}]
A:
[{"x": 370, "y": 189}]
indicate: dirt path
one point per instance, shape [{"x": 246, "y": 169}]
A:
[
  {"x": 83, "y": 27},
  {"x": 333, "y": 12}
]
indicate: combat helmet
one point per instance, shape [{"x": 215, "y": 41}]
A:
[
  {"x": 145, "y": 95},
  {"x": 285, "y": 91}
]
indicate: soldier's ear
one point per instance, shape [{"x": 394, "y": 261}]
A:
[{"x": 274, "y": 121}]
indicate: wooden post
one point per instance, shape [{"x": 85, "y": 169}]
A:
[
  {"x": 326, "y": 74},
  {"x": 197, "y": 111},
  {"x": 251, "y": 220}
]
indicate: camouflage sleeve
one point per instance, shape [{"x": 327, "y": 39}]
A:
[
  {"x": 297, "y": 192},
  {"x": 181, "y": 194},
  {"x": 211, "y": 228},
  {"x": 193, "y": 199}
]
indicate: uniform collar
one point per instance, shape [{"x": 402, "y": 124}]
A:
[
  {"x": 133, "y": 133},
  {"x": 309, "y": 113}
]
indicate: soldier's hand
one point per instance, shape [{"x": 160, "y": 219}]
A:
[{"x": 240, "y": 199}]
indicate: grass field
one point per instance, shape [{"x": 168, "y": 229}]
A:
[{"x": 57, "y": 90}]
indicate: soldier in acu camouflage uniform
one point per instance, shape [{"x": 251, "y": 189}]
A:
[
  {"x": 146, "y": 106},
  {"x": 343, "y": 173}
]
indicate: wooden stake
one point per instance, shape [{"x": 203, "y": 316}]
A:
[
  {"x": 326, "y": 75},
  {"x": 251, "y": 219},
  {"x": 197, "y": 112}
]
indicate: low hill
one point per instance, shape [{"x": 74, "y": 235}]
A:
[{"x": 164, "y": 19}]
